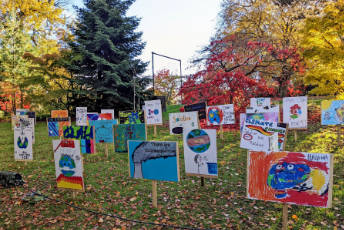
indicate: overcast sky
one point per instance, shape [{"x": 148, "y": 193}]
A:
[{"x": 175, "y": 28}]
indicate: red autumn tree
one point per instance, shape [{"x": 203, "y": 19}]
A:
[{"x": 237, "y": 70}]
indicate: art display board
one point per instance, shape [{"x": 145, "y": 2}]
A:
[
  {"x": 220, "y": 114},
  {"x": 30, "y": 114},
  {"x": 68, "y": 164},
  {"x": 105, "y": 116},
  {"x": 290, "y": 177},
  {"x": 59, "y": 113},
  {"x": 81, "y": 116},
  {"x": 25, "y": 123},
  {"x": 260, "y": 135},
  {"x": 199, "y": 107},
  {"x": 125, "y": 132},
  {"x": 266, "y": 109},
  {"x": 180, "y": 121},
  {"x": 92, "y": 116},
  {"x": 295, "y": 112},
  {"x": 200, "y": 152},
  {"x": 153, "y": 112},
  {"x": 15, "y": 118},
  {"x": 271, "y": 116},
  {"x": 85, "y": 134},
  {"x": 55, "y": 125},
  {"x": 260, "y": 102},
  {"x": 23, "y": 132},
  {"x": 154, "y": 160},
  {"x": 131, "y": 117},
  {"x": 109, "y": 111},
  {"x": 332, "y": 112},
  {"x": 104, "y": 130}
]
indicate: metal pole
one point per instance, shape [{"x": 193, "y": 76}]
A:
[
  {"x": 153, "y": 72},
  {"x": 181, "y": 80}
]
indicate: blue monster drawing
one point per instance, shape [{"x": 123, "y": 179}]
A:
[
  {"x": 285, "y": 175},
  {"x": 68, "y": 162}
]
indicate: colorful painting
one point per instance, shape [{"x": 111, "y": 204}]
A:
[
  {"x": 92, "y": 116},
  {"x": 53, "y": 129},
  {"x": 68, "y": 164},
  {"x": 125, "y": 132},
  {"x": 295, "y": 112},
  {"x": 290, "y": 177},
  {"x": 180, "y": 121},
  {"x": 57, "y": 123},
  {"x": 59, "y": 113},
  {"x": 83, "y": 133},
  {"x": 260, "y": 102},
  {"x": 271, "y": 116},
  {"x": 199, "y": 107},
  {"x": 15, "y": 118},
  {"x": 220, "y": 114},
  {"x": 23, "y": 143},
  {"x": 332, "y": 112},
  {"x": 200, "y": 152},
  {"x": 105, "y": 116},
  {"x": 266, "y": 109},
  {"x": 104, "y": 130},
  {"x": 153, "y": 112},
  {"x": 261, "y": 135},
  {"x": 24, "y": 123},
  {"x": 109, "y": 111},
  {"x": 131, "y": 117},
  {"x": 81, "y": 116},
  {"x": 154, "y": 160},
  {"x": 20, "y": 112}
]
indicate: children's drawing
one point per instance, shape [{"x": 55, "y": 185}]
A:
[
  {"x": 153, "y": 112},
  {"x": 23, "y": 143},
  {"x": 266, "y": 109},
  {"x": 290, "y": 177},
  {"x": 104, "y": 130},
  {"x": 295, "y": 112},
  {"x": 180, "y": 121},
  {"x": 220, "y": 115},
  {"x": 261, "y": 135},
  {"x": 53, "y": 128},
  {"x": 68, "y": 164},
  {"x": 82, "y": 133},
  {"x": 131, "y": 117},
  {"x": 270, "y": 116},
  {"x": 200, "y": 152},
  {"x": 199, "y": 107},
  {"x": 105, "y": 116},
  {"x": 59, "y": 113},
  {"x": 125, "y": 132},
  {"x": 81, "y": 116},
  {"x": 108, "y": 111},
  {"x": 154, "y": 160},
  {"x": 260, "y": 102},
  {"x": 332, "y": 112}
]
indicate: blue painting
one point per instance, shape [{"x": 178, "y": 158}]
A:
[
  {"x": 53, "y": 128},
  {"x": 123, "y": 133},
  {"x": 154, "y": 160},
  {"x": 82, "y": 133},
  {"x": 332, "y": 112},
  {"x": 104, "y": 130}
]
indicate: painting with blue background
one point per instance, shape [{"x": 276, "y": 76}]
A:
[
  {"x": 104, "y": 130},
  {"x": 334, "y": 114},
  {"x": 163, "y": 168}
]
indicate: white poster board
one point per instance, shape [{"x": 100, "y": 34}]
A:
[
  {"x": 23, "y": 144},
  {"x": 25, "y": 123},
  {"x": 153, "y": 112},
  {"x": 200, "y": 152},
  {"x": 81, "y": 116},
  {"x": 260, "y": 102},
  {"x": 295, "y": 112},
  {"x": 266, "y": 109},
  {"x": 108, "y": 111},
  {"x": 220, "y": 114},
  {"x": 259, "y": 135},
  {"x": 180, "y": 121},
  {"x": 68, "y": 164}
]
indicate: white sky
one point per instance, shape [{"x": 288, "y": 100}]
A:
[{"x": 175, "y": 28}]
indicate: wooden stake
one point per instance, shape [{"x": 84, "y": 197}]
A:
[
  {"x": 155, "y": 193},
  {"x": 338, "y": 135},
  {"x": 295, "y": 135},
  {"x": 107, "y": 150},
  {"x": 155, "y": 132},
  {"x": 202, "y": 181},
  {"x": 221, "y": 132},
  {"x": 74, "y": 194},
  {"x": 285, "y": 217}
]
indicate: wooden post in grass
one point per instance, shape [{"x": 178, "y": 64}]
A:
[
  {"x": 295, "y": 135},
  {"x": 154, "y": 194},
  {"x": 202, "y": 181},
  {"x": 107, "y": 150},
  {"x": 155, "y": 132},
  {"x": 74, "y": 194},
  {"x": 221, "y": 132},
  {"x": 285, "y": 217},
  {"x": 338, "y": 134}
]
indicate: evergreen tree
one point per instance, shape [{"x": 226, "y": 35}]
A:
[{"x": 104, "y": 56}]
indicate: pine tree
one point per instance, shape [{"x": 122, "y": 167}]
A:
[{"x": 105, "y": 50}]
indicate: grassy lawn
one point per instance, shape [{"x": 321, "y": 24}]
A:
[{"x": 220, "y": 204}]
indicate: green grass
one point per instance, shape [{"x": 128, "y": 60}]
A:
[{"x": 221, "y": 203}]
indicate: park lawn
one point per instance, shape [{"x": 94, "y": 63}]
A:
[{"x": 221, "y": 203}]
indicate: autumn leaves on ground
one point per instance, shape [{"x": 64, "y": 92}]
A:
[{"x": 221, "y": 203}]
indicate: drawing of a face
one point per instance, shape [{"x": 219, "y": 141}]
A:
[
  {"x": 340, "y": 113},
  {"x": 198, "y": 140},
  {"x": 285, "y": 175},
  {"x": 67, "y": 165}
]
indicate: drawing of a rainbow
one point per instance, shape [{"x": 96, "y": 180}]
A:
[
  {"x": 259, "y": 129},
  {"x": 70, "y": 182}
]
